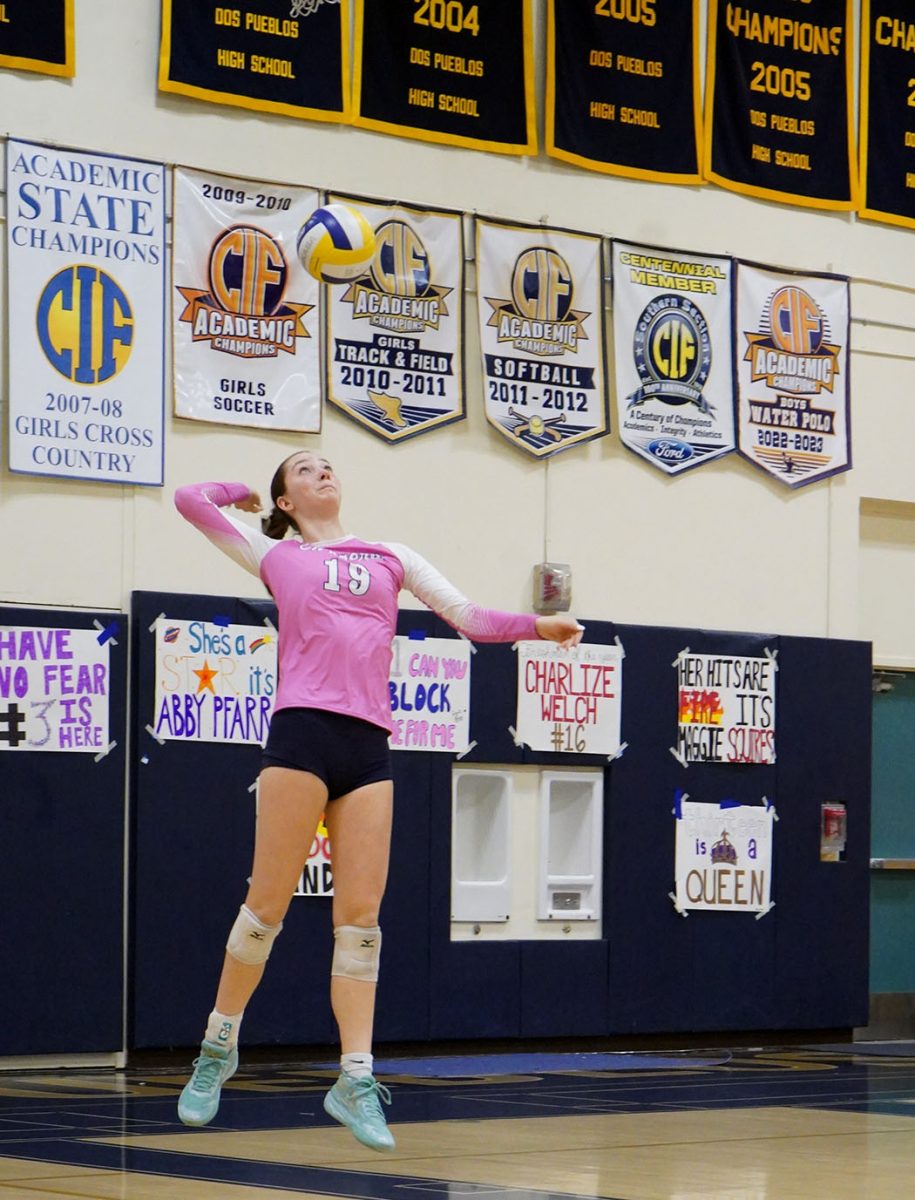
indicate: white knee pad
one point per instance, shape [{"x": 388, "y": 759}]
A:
[
  {"x": 250, "y": 940},
  {"x": 357, "y": 952}
]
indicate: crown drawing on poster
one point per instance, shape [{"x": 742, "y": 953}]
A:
[{"x": 723, "y": 852}]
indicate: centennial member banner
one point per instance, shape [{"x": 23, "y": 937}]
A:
[
  {"x": 447, "y": 71},
  {"x": 245, "y": 325},
  {"x": 622, "y": 87},
  {"x": 280, "y": 56},
  {"x": 86, "y": 271},
  {"x": 726, "y": 708},
  {"x": 887, "y": 99},
  {"x": 541, "y": 317},
  {"x": 54, "y": 690},
  {"x": 674, "y": 359},
  {"x": 779, "y": 101},
  {"x": 37, "y": 35},
  {"x": 215, "y": 682},
  {"x": 570, "y": 701},
  {"x": 429, "y": 688},
  {"x": 723, "y": 857},
  {"x": 791, "y": 346},
  {"x": 395, "y": 335}
]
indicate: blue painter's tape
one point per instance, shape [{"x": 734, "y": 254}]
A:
[
  {"x": 107, "y": 633},
  {"x": 417, "y": 635},
  {"x": 222, "y": 622},
  {"x": 678, "y": 804},
  {"x": 730, "y": 804}
]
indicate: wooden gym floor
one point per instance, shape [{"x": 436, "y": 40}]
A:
[{"x": 819, "y": 1123}]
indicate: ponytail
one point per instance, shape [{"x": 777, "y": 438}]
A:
[{"x": 278, "y": 524}]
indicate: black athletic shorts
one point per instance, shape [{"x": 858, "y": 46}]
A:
[{"x": 345, "y": 752}]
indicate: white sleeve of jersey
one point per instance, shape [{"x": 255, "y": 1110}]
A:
[{"x": 430, "y": 585}]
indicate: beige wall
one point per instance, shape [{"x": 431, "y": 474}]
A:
[{"x": 721, "y": 547}]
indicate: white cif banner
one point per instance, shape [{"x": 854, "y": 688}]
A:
[
  {"x": 725, "y": 707},
  {"x": 215, "y": 682},
  {"x": 429, "y": 688},
  {"x": 674, "y": 357},
  {"x": 244, "y": 311},
  {"x": 570, "y": 701},
  {"x": 86, "y": 271},
  {"x": 541, "y": 314},
  {"x": 54, "y": 689},
  {"x": 792, "y": 373},
  {"x": 395, "y": 336},
  {"x": 723, "y": 856}
]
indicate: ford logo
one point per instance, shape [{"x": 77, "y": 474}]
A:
[{"x": 670, "y": 450}]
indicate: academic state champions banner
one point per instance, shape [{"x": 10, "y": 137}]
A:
[
  {"x": 887, "y": 100},
  {"x": 86, "y": 271},
  {"x": 245, "y": 331},
  {"x": 779, "y": 101},
  {"x": 674, "y": 360},
  {"x": 37, "y": 35},
  {"x": 791, "y": 340},
  {"x": 447, "y": 71},
  {"x": 280, "y": 56},
  {"x": 541, "y": 317},
  {"x": 395, "y": 357},
  {"x": 622, "y": 87}
]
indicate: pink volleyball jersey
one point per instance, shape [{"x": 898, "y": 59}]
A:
[{"x": 337, "y": 605}]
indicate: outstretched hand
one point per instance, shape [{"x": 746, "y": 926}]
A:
[
  {"x": 557, "y": 627},
  {"x": 251, "y": 504}
]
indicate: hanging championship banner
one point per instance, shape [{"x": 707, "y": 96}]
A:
[
  {"x": 54, "y": 688},
  {"x": 395, "y": 357},
  {"x": 37, "y": 35},
  {"x": 792, "y": 377},
  {"x": 569, "y": 701},
  {"x": 244, "y": 312},
  {"x": 723, "y": 856},
  {"x": 779, "y": 96},
  {"x": 214, "y": 682},
  {"x": 541, "y": 316},
  {"x": 429, "y": 687},
  {"x": 887, "y": 97},
  {"x": 280, "y": 56},
  {"x": 447, "y": 71},
  {"x": 86, "y": 268},
  {"x": 622, "y": 87},
  {"x": 726, "y": 708},
  {"x": 674, "y": 361}
]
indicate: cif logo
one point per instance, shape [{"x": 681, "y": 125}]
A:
[
  {"x": 672, "y": 350},
  {"x": 247, "y": 271},
  {"x": 85, "y": 324},
  {"x": 542, "y": 285},
  {"x": 401, "y": 264},
  {"x": 797, "y": 324}
]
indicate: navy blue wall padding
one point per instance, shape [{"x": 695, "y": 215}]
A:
[
  {"x": 802, "y": 966},
  {"x": 62, "y": 876}
]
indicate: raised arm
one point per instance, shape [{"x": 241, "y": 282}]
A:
[
  {"x": 203, "y": 504},
  {"x": 479, "y": 624}
]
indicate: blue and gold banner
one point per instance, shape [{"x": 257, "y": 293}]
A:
[
  {"x": 622, "y": 92},
  {"x": 778, "y": 121},
  {"x": 887, "y": 101},
  {"x": 280, "y": 56},
  {"x": 37, "y": 35},
  {"x": 540, "y": 305},
  {"x": 447, "y": 71},
  {"x": 85, "y": 258}
]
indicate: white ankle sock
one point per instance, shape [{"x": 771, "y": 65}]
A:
[
  {"x": 223, "y": 1030},
  {"x": 357, "y": 1066}
]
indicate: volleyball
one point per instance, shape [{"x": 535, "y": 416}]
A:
[{"x": 336, "y": 244}]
